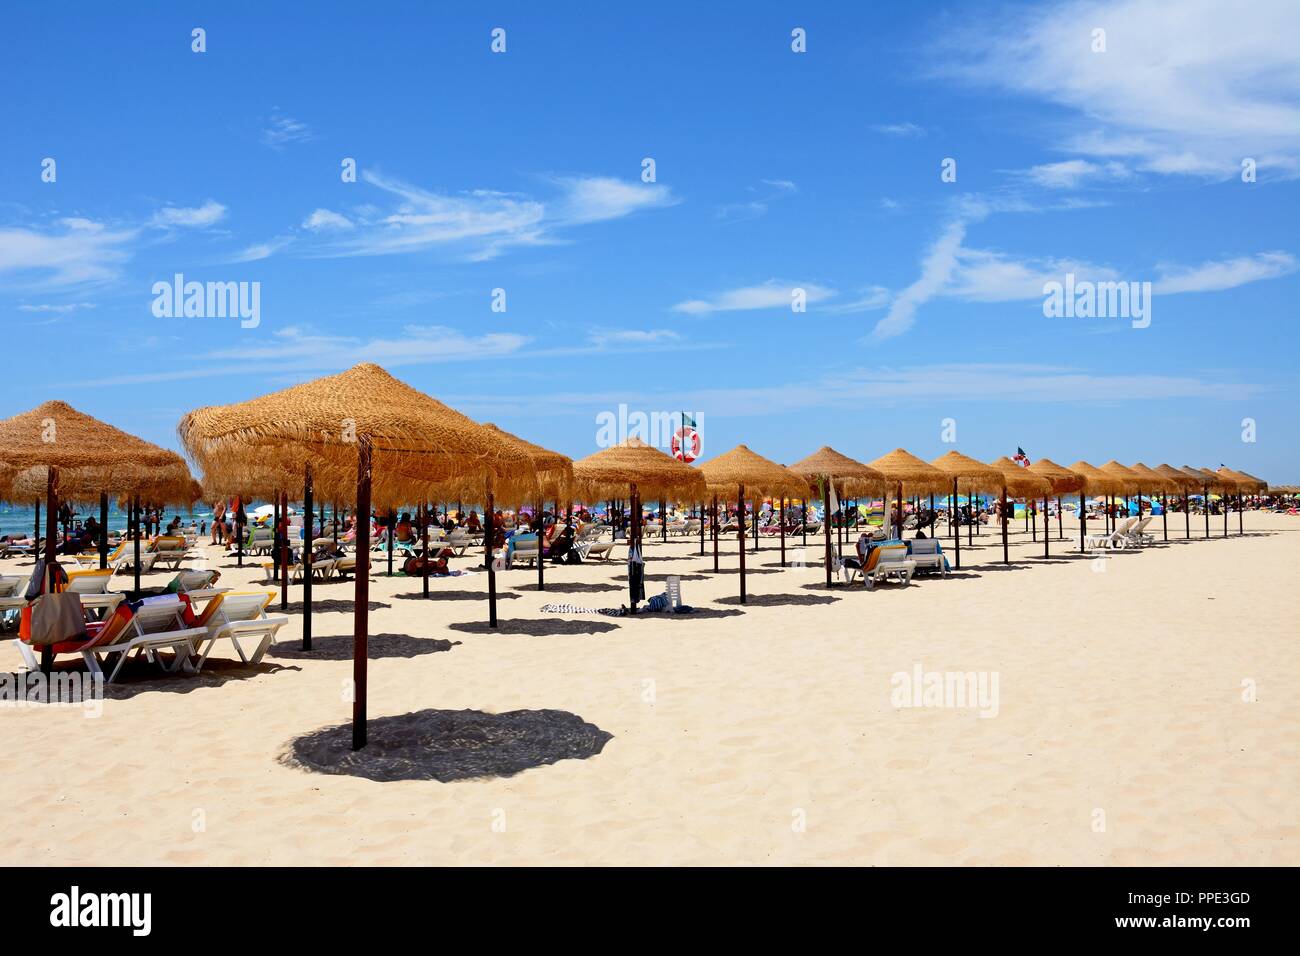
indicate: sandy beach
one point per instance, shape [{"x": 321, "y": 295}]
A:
[{"x": 758, "y": 735}]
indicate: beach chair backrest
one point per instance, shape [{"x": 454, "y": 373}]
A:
[
  {"x": 89, "y": 581},
  {"x": 194, "y": 580},
  {"x": 1141, "y": 525},
  {"x": 153, "y": 617},
  {"x": 1125, "y": 525},
  {"x": 890, "y": 554},
  {"x": 925, "y": 546},
  {"x": 243, "y": 606}
]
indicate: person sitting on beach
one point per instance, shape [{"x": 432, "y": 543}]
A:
[
  {"x": 473, "y": 524},
  {"x": 562, "y": 546},
  {"x": 863, "y": 549},
  {"x": 404, "y": 531}
]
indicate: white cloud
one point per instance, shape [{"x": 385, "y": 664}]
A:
[
  {"x": 326, "y": 219},
  {"x": 261, "y": 250},
  {"x": 607, "y": 337},
  {"x": 936, "y": 268},
  {"x": 206, "y": 215},
  {"x": 281, "y": 131},
  {"x": 900, "y": 129},
  {"x": 875, "y": 297},
  {"x": 983, "y": 275},
  {"x": 753, "y": 208},
  {"x": 1188, "y": 88},
  {"x": 61, "y": 309},
  {"x": 1071, "y": 172},
  {"x": 598, "y": 198},
  {"x": 78, "y": 251},
  {"x": 771, "y": 294},
  {"x": 1225, "y": 274}
]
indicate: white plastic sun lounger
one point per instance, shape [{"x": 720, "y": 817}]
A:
[
  {"x": 235, "y": 615},
  {"x": 926, "y": 555},
  {"x": 1111, "y": 539},
  {"x": 156, "y": 626}
]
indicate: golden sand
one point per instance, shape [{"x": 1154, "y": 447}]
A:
[{"x": 1124, "y": 731}]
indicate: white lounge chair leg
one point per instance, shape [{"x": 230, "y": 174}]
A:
[{"x": 28, "y": 657}]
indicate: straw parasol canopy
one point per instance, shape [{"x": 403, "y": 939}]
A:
[
  {"x": 609, "y": 472},
  {"x": 902, "y": 467},
  {"x": 90, "y": 456},
  {"x": 1245, "y": 483},
  {"x": 971, "y": 474},
  {"x": 554, "y": 471},
  {"x": 1152, "y": 481},
  {"x": 1180, "y": 479},
  {"x": 1208, "y": 479},
  {"x": 760, "y": 476},
  {"x": 853, "y": 477},
  {"x": 1020, "y": 482},
  {"x": 1096, "y": 481},
  {"x": 419, "y": 446},
  {"x": 1063, "y": 480},
  {"x": 1129, "y": 480}
]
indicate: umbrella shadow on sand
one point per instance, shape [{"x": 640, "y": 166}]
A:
[
  {"x": 448, "y": 745},
  {"x": 547, "y": 627},
  {"x": 327, "y": 606},
  {"x": 435, "y": 594},
  {"x": 779, "y": 600},
  {"x": 570, "y": 587},
  {"x": 140, "y": 677},
  {"x": 338, "y": 647}
]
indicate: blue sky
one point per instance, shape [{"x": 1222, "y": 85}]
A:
[{"x": 774, "y": 170}]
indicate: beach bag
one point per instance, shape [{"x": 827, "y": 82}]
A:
[
  {"x": 53, "y": 619},
  {"x": 36, "y": 584}
]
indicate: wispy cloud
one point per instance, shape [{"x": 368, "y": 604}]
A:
[
  {"x": 1189, "y": 89},
  {"x": 647, "y": 337},
  {"x": 777, "y": 189},
  {"x": 261, "y": 250},
  {"x": 899, "y": 129},
  {"x": 772, "y": 294},
  {"x": 937, "y": 267},
  {"x": 75, "y": 251},
  {"x": 59, "y": 309},
  {"x": 325, "y": 219},
  {"x": 208, "y": 214},
  {"x": 1225, "y": 273},
  {"x": 281, "y": 131},
  {"x": 1071, "y": 173}
]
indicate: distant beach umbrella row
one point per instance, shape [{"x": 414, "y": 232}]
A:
[{"x": 363, "y": 438}]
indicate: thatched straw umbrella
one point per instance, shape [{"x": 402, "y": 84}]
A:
[
  {"x": 1246, "y": 484},
  {"x": 1019, "y": 482},
  {"x": 902, "y": 468},
  {"x": 639, "y": 469},
  {"x": 554, "y": 481},
  {"x": 739, "y": 469},
  {"x": 362, "y": 419},
  {"x": 1096, "y": 482},
  {"x": 975, "y": 477},
  {"x": 1205, "y": 480},
  {"x": 77, "y": 452},
  {"x": 1064, "y": 482},
  {"x": 1179, "y": 481},
  {"x": 1234, "y": 484},
  {"x": 825, "y": 466},
  {"x": 1154, "y": 483},
  {"x": 1130, "y": 482}
]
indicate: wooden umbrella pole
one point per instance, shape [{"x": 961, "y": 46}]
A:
[
  {"x": 284, "y": 551},
  {"x": 1083, "y": 523},
  {"x": 424, "y": 544},
  {"x": 36, "y": 535},
  {"x": 103, "y": 530},
  {"x": 489, "y": 540},
  {"x": 898, "y": 500},
  {"x": 826, "y": 526},
  {"x": 714, "y": 529},
  {"x": 1187, "y": 515},
  {"x": 1005, "y": 558},
  {"x": 1060, "y": 520},
  {"x": 1205, "y": 508},
  {"x": 780, "y": 520},
  {"x": 541, "y": 528},
  {"x": 702, "y": 524},
  {"x": 663, "y": 520},
  {"x": 51, "y": 550},
  {"x": 1047, "y": 528},
  {"x": 755, "y": 524},
  {"x": 1223, "y": 504},
  {"x": 307, "y": 508},
  {"x": 389, "y": 543},
  {"x": 933, "y": 515},
  {"x": 740, "y": 530},
  {"x": 1164, "y": 512},
  {"x": 956, "y": 524},
  {"x": 135, "y": 507},
  {"x": 1240, "y": 519},
  {"x": 1030, "y": 507},
  {"x": 361, "y": 597}
]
